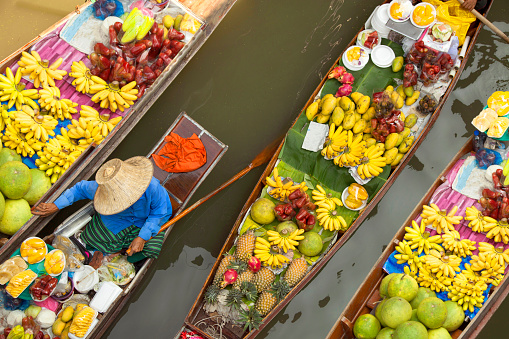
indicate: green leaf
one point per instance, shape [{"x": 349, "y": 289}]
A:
[{"x": 371, "y": 78}]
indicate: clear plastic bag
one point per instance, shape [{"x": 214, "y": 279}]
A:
[
  {"x": 117, "y": 270},
  {"x": 487, "y": 157},
  {"x": 106, "y": 8},
  {"x": 73, "y": 258}
]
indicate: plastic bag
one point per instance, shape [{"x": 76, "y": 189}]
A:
[
  {"x": 118, "y": 270},
  {"x": 451, "y": 12},
  {"x": 106, "y": 8},
  {"x": 487, "y": 157},
  {"x": 73, "y": 258}
]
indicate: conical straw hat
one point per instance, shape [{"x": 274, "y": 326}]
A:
[{"x": 121, "y": 184}]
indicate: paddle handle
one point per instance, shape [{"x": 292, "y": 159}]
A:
[{"x": 488, "y": 23}]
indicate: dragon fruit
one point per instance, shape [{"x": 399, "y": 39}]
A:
[
  {"x": 344, "y": 90},
  {"x": 254, "y": 264},
  {"x": 229, "y": 277},
  {"x": 346, "y": 78},
  {"x": 337, "y": 72}
]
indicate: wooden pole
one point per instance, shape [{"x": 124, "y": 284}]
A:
[{"x": 488, "y": 23}]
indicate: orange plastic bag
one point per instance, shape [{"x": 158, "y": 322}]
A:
[{"x": 451, "y": 12}]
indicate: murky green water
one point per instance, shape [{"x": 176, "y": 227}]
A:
[{"x": 246, "y": 85}]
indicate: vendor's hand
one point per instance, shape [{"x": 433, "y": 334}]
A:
[
  {"x": 469, "y": 4},
  {"x": 136, "y": 246},
  {"x": 44, "y": 209}
]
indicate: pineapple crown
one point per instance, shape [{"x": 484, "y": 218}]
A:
[
  {"x": 250, "y": 318},
  {"x": 234, "y": 298},
  {"x": 248, "y": 289},
  {"x": 238, "y": 265},
  {"x": 280, "y": 289},
  {"x": 211, "y": 294}
]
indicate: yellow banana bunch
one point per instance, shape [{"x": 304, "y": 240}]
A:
[
  {"x": 461, "y": 247},
  {"x": 69, "y": 143},
  {"x": 426, "y": 278},
  {"x": 410, "y": 271},
  {"x": 17, "y": 141},
  {"x": 101, "y": 122},
  {"x": 282, "y": 189},
  {"x": 467, "y": 293},
  {"x": 285, "y": 240},
  {"x": 83, "y": 77},
  {"x": 329, "y": 218},
  {"x": 353, "y": 152},
  {"x": 475, "y": 275},
  {"x": 336, "y": 141},
  {"x": 40, "y": 70},
  {"x": 111, "y": 95},
  {"x": 440, "y": 219},
  {"x": 477, "y": 219},
  {"x": 320, "y": 197},
  {"x": 498, "y": 230},
  {"x": 419, "y": 238},
  {"x": 498, "y": 252},
  {"x": 12, "y": 90},
  {"x": 406, "y": 255},
  {"x": 5, "y": 117},
  {"x": 35, "y": 125},
  {"x": 441, "y": 264},
  {"x": 84, "y": 131},
  {"x": 373, "y": 163},
  {"x": 488, "y": 265},
  {"x": 269, "y": 254},
  {"x": 54, "y": 160},
  {"x": 59, "y": 108}
]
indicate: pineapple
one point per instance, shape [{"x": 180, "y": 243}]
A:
[
  {"x": 263, "y": 279},
  {"x": 211, "y": 294},
  {"x": 269, "y": 298},
  {"x": 245, "y": 276},
  {"x": 234, "y": 298},
  {"x": 296, "y": 271},
  {"x": 251, "y": 319},
  {"x": 245, "y": 246},
  {"x": 223, "y": 266}
]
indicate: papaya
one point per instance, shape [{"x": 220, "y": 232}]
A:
[
  {"x": 328, "y": 106},
  {"x": 400, "y": 90},
  {"x": 359, "y": 126},
  {"x": 322, "y": 119},
  {"x": 363, "y": 104},
  {"x": 367, "y": 129},
  {"x": 381, "y": 146},
  {"x": 406, "y": 132},
  {"x": 58, "y": 327},
  {"x": 366, "y": 136},
  {"x": 370, "y": 142},
  {"x": 327, "y": 96},
  {"x": 413, "y": 98},
  {"x": 357, "y": 116},
  {"x": 337, "y": 116},
  {"x": 410, "y": 120},
  {"x": 406, "y": 144},
  {"x": 400, "y": 140},
  {"x": 346, "y": 104},
  {"x": 391, "y": 140},
  {"x": 397, "y": 99},
  {"x": 312, "y": 110},
  {"x": 390, "y": 155},
  {"x": 389, "y": 89},
  {"x": 397, "y": 64},
  {"x": 409, "y": 91},
  {"x": 397, "y": 159},
  {"x": 370, "y": 114},
  {"x": 349, "y": 121},
  {"x": 67, "y": 314},
  {"x": 356, "y": 96}
]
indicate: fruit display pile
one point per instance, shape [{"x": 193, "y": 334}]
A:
[{"x": 48, "y": 124}]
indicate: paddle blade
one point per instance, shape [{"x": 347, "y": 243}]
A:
[{"x": 266, "y": 154}]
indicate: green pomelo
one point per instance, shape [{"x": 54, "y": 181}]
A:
[
  {"x": 414, "y": 315},
  {"x": 289, "y": 226},
  {"x": 385, "y": 333},
  {"x": 378, "y": 312},
  {"x": 262, "y": 211},
  {"x": 7, "y": 154},
  {"x": 311, "y": 245},
  {"x": 17, "y": 213},
  {"x": 396, "y": 311},
  {"x": 15, "y": 179},
  {"x": 385, "y": 283},
  {"x": 455, "y": 316},
  {"x": 2, "y": 205},
  {"x": 40, "y": 185},
  {"x": 422, "y": 293},
  {"x": 403, "y": 286},
  {"x": 366, "y": 327},
  {"x": 439, "y": 333},
  {"x": 432, "y": 312},
  {"x": 410, "y": 330}
]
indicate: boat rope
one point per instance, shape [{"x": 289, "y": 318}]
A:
[{"x": 214, "y": 330}]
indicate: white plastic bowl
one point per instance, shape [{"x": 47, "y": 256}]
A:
[
  {"x": 363, "y": 59},
  {"x": 401, "y": 2},
  {"x": 359, "y": 42},
  {"x": 345, "y": 195},
  {"x": 421, "y": 5},
  {"x": 85, "y": 279}
]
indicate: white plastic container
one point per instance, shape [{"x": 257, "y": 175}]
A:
[
  {"x": 379, "y": 20},
  {"x": 105, "y": 296},
  {"x": 85, "y": 279}
]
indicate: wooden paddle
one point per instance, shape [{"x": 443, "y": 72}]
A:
[
  {"x": 488, "y": 23},
  {"x": 263, "y": 157}
]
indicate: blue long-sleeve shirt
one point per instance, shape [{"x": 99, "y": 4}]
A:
[{"x": 148, "y": 213}]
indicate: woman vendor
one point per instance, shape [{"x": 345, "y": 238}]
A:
[{"x": 131, "y": 205}]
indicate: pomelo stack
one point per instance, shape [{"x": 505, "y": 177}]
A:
[
  {"x": 20, "y": 188},
  {"x": 409, "y": 311}
]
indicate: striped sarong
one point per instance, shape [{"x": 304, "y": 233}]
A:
[{"x": 98, "y": 236}]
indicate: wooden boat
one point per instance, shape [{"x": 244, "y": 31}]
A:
[
  {"x": 367, "y": 295},
  {"x": 198, "y": 316},
  {"x": 180, "y": 187},
  {"x": 209, "y": 12}
]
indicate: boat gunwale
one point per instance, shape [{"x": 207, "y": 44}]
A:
[{"x": 358, "y": 221}]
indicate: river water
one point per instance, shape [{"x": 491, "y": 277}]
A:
[{"x": 246, "y": 86}]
